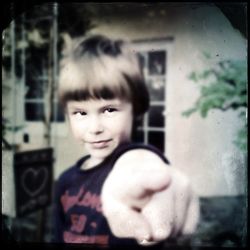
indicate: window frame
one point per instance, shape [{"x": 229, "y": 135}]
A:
[{"x": 146, "y": 46}]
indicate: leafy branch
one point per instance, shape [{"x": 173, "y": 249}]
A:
[{"x": 223, "y": 87}]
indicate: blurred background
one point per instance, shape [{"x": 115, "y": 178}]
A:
[{"x": 194, "y": 58}]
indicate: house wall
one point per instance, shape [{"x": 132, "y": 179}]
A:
[{"x": 201, "y": 148}]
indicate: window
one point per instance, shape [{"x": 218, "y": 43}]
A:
[
  {"x": 35, "y": 97},
  {"x": 38, "y": 31},
  {"x": 153, "y": 56}
]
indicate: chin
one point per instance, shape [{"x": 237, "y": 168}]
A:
[{"x": 101, "y": 153}]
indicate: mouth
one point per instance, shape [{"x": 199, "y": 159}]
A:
[{"x": 100, "y": 144}]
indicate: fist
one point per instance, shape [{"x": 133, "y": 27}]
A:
[{"x": 145, "y": 199}]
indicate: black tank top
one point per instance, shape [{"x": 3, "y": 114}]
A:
[{"x": 78, "y": 214}]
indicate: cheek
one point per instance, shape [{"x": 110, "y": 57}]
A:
[
  {"x": 76, "y": 129},
  {"x": 123, "y": 127}
]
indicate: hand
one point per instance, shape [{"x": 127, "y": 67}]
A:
[{"x": 144, "y": 199}]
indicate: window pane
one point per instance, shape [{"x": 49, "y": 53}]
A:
[
  {"x": 138, "y": 136},
  {"x": 156, "y": 139},
  {"x": 156, "y": 88},
  {"x": 156, "y": 117},
  {"x": 34, "y": 89},
  {"x": 157, "y": 62},
  {"x": 59, "y": 116},
  {"x": 34, "y": 111}
]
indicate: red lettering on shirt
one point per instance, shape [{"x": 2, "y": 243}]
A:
[
  {"x": 78, "y": 222},
  {"x": 69, "y": 201},
  {"x": 93, "y": 224},
  {"x": 69, "y": 237},
  {"x": 88, "y": 200},
  {"x": 96, "y": 203},
  {"x": 91, "y": 200}
]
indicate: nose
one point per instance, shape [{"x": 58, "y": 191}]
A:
[{"x": 95, "y": 125}]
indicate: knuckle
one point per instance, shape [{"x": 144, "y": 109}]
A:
[
  {"x": 162, "y": 234},
  {"x": 117, "y": 232}
]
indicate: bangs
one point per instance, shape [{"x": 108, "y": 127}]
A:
[
  {"x": 103, "y": 92},
  {"x": 93, "y": 79}
]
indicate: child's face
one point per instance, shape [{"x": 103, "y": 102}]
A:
[{"x": 101, "y": 125}]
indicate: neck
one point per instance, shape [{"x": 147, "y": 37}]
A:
[{"x": 91, "y": 163}]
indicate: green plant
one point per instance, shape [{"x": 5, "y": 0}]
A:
[{"x": 223, "y": 87}]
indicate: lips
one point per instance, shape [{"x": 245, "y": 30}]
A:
[{"x": 100, "y": 144}]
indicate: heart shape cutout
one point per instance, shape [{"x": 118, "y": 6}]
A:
[{"x": 34, "y": 180}]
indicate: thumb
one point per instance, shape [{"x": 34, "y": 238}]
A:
[
  {"x": 156, "y": 180},
  {"x": 147, "y": 184},
  {"x": 153, "y": 173}
]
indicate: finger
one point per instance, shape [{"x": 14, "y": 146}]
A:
[
  {"x": 193, "y": 215},
  {"x": 149, "y": 172},
  {"x": 140, "y": 187},
  {"x": 182, "y": 192},
  {"x": 126, "y": 222},
  {"x": 186, "y": 205},
  {"x": 147, "y": 185},
  {"x": 156, "y": 180},
  {"x": 160, "y": 215}
]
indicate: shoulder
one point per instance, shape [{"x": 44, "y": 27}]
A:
[
  {"x": 138, "y": 151},
  {"x": 67, "y": 175},
  {"x": 140, "y": 155}
]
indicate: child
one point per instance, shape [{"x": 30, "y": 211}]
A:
[{"x": 121, "y": 193}]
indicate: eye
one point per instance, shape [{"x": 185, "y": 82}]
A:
[
  {"x": 109, "y": 110},
  {"x": 79, "y": 113}
]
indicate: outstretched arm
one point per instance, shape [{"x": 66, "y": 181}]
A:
[{"x": 144, "y": 199}]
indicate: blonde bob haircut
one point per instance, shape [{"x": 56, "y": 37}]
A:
[{"x": 101, "y": 68}]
